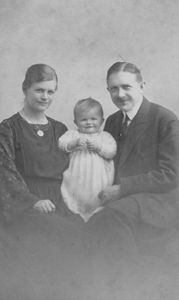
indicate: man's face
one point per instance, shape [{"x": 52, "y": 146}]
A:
[{"x": 125, "y": 90}]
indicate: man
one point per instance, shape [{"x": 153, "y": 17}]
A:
[{"x": 147, "y": 161}]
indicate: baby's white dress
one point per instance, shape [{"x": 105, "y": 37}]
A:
[{"x": 88, "y": 173}]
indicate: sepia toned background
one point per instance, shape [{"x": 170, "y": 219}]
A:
[{"x": 81, "y": 39}]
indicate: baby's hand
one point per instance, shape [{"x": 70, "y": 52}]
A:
[
  {"x": 81, "y": 143},
  {"x": 93, "y": 145},
  {"x": 76, "y": 143},
  {"x": 72, "y": 145}
]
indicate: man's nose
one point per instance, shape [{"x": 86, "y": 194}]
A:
[{"x": 121, "y": 93}]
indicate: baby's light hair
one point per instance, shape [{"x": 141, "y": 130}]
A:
[{"x": 87, "y": 104}]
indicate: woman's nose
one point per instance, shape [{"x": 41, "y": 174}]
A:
[{"x": 45, "y": 95}]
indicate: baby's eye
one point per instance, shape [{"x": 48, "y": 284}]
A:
[{"x": 50, "y": 92}]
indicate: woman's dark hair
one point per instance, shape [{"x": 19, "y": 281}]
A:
[
  {"x": 37, "y": 73},
  {"x": 87, "y": 104},
  {"x": 124, "y": 67}
]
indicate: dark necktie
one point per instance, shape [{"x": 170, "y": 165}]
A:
[{"x": 124, "y": 126}]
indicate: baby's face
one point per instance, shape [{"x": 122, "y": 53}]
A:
[{"x": 89, "y": 121}]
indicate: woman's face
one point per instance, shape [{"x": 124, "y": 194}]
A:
[{"x": 39, "y": 95}]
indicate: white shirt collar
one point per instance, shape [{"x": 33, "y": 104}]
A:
[{"x": 131, "y": 114}]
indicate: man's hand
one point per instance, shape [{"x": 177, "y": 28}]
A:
[
  {"x": 110, "y": 193},
  {"x": 44, "y": 206}
]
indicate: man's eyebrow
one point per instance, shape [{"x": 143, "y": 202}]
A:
[
  {"x": 120, "y": 85},
  {"x": 126, "y": 85}
]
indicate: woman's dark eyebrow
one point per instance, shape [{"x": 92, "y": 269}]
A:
[{"x": 41, "y": 89}]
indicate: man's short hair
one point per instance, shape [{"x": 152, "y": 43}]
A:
[{"x": 124, "y": 67}]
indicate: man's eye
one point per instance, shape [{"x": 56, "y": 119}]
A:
[
  {"x": 126, "y": 87},
  {"x": 113, "y": 89}
]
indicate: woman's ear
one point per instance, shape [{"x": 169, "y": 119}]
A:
[{"x": 23, "y": 90}]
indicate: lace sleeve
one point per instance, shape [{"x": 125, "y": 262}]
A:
[
  {"x": 108, "y": 146},
  {"x": 14, "y": 194},
  {"x": 67, "y": 137}
]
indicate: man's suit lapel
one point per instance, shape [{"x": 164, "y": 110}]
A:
[{"x": 135, "y": 130}]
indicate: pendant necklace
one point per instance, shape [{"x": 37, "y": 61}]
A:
[
  {"x": 37, "y": 127},
  {"x": 40, "y": 132}
]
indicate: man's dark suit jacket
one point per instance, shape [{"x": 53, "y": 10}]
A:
[{"x": 148, "y": 166}]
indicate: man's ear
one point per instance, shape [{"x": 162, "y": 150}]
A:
[
  {"x": 24, "y": 91},
  {"x": 142, "y": 85}
]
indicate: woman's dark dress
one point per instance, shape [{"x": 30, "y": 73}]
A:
[{"x": 56, "y": 255}]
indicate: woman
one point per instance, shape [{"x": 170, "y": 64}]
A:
[
  {"x": 46, "y": 251},
  {"x": 28, "y": 147}
]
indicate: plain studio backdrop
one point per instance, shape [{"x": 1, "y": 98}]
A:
[{"x": 81, "y": 39}]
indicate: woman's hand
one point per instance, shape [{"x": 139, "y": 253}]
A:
[
  {"x": 44, "y": 206},
  {"x": 110, "y": 193}
]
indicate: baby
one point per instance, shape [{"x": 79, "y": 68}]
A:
[{"x": 91, "y": 166}]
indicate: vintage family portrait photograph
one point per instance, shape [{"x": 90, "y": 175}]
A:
[{"x": 89, "y": 150}]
